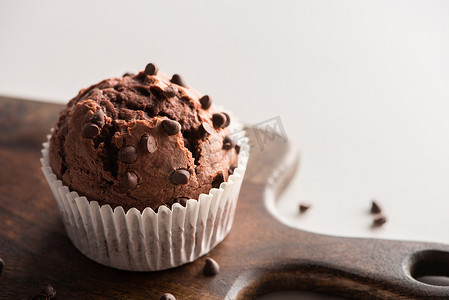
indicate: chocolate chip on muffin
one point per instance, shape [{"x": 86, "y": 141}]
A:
[
  {"x": 177, "y": 79},
  {"x": 218, "y": 120},
  {"x": 151, "y": 69},
  {"x": 180, "y": 176},
  {"x": 206, "y": 102}
]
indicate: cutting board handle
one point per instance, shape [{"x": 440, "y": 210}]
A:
[{"x": 285, "y": 258}]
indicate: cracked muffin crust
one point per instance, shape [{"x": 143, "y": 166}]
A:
[{"x": 142, "y": 140}]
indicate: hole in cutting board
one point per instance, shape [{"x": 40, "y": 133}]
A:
[{"x": 430, "y": 267}]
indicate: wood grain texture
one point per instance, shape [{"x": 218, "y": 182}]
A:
[{"x": 260, "y": 255}]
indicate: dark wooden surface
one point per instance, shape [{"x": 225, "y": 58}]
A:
[{"x": 260, "y": 254}]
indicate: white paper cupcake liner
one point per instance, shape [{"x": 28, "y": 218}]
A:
[{"x": 148, "y": 241}]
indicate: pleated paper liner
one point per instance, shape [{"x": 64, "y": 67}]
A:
[{"x": 148, "y": 240}]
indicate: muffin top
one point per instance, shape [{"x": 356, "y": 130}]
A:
[{"x": 142, "y": 140}]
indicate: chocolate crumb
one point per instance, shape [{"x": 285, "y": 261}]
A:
[
  {"x": 379, "y": 220},
  {"x": 151, "y": 69},
  {"x": 180, "y": 176},
  {"x": 171, "y": 127},
  {"x": 303, "y": 207},
  {"x": 177, "y": 79},
  {"x": 206, "y": 102},
  {"x": 211, "y": 267},
  {"x": 375, "y": 207},
  {"x": 167, "y": 296}
]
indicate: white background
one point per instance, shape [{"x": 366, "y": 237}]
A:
[{"x": 361, "y": 87}]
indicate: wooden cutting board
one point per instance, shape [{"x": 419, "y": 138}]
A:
[{"x": 260, "y": 255}]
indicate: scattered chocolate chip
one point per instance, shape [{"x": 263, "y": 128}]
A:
[
  {"x": 182, "y": 201},
  {"x": 375, "y": 207},
  {"x": 128, "y": 154},
  {"x": 228, "y": 120},
  {"x": 148, "y": 143},
  {"x": 218, "y": 179},
  {"x": 90, "y": 130},
  {"x": 237, "y": 149},
  {"x": 98, "y": 118},
  {"x": 167, "y": 296},
  {"x": 48, "y": 292},
  {"x": 303, "y": 207},
  {"x": 2, "y": 264},
  {"x": 177, "y": 79},
  {"x": 231, "y": 169},
  {"x": 205, "y": 129},
  {"x": 211, "y": 267},
  {"x": 151, "y": 69},
  {"x": 379, "y": 220},
  {"x": 180, "y": 176},
  {"x": 218, "y": 120},
  {"x": 171, "y": 127},
  {"x": 128, "y": 180},
  {"x": 206, "y": 102},
  {"x": 228, "y": 143},
  {"x": 170, "y": 91}
]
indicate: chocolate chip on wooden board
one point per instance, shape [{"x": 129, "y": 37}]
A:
[
  {"x": 211, "y": 267},
  {"x": 379, "y": 220},
  {"x": 167, "y": 296},
  {"x": 48, "y": 292},
  {"x": 303, "y": 207},
  {"x": 375, "y": 207}
]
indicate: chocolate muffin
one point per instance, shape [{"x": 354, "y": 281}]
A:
[{"x": 142, "y": 140}]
